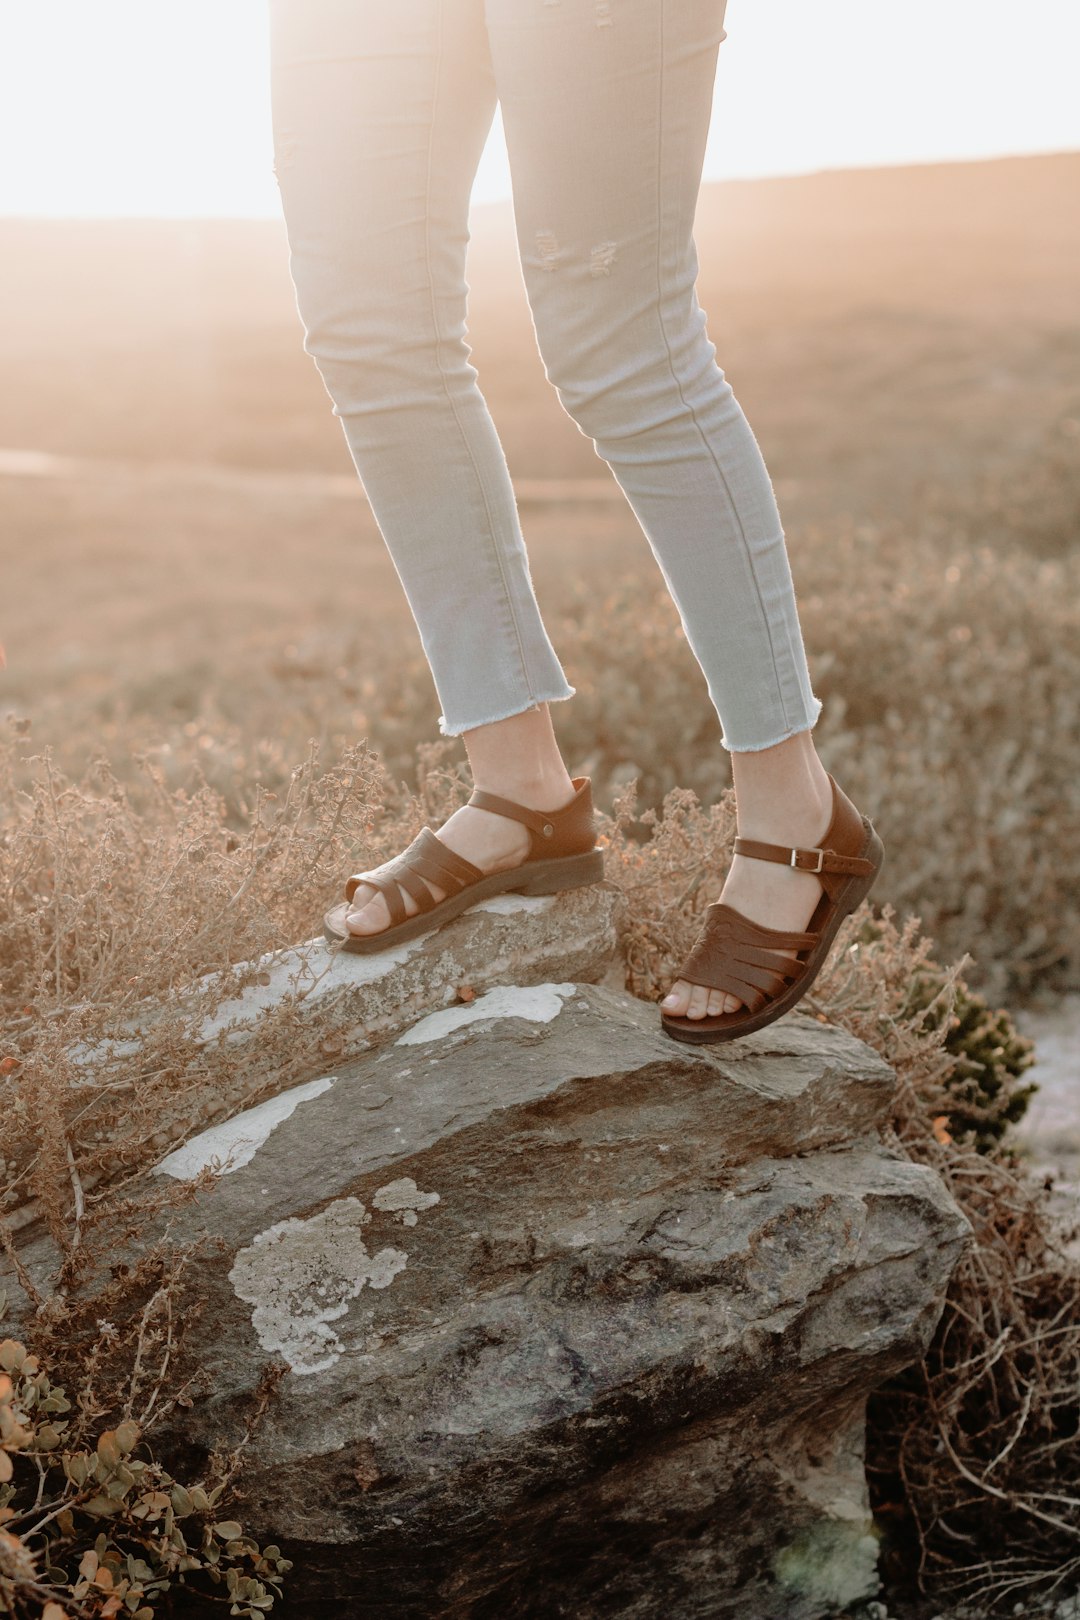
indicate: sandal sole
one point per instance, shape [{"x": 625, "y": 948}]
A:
[
  {"x": 531, "y": 878},
  {"x": 729, "y": 1026}
]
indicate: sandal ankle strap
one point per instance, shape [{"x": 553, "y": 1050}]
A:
[
  {"x": 540, "y": 823},
  {"x": 543, "y": 822},
  {"x": 804, "y": 860}
]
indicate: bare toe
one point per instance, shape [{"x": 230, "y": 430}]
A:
[
  {"x": 675, "y": 1000},
  {"x": 370, "y": 913},
  {"x": 368, "y": 916},
  {"x": 699, "y": 1001}
]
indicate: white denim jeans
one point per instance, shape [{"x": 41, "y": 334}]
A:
[{"x": 380, "y": 112}]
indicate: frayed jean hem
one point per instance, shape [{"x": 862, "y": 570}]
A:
[
  {"x": 455, "y": 730},
  {"x": 759, "y": 747}
]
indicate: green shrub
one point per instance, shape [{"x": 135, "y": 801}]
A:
[
  {"x": 988, "y": 1054},
  {"x": 102, "y": 1526}
]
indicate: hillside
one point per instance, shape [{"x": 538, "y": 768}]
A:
[{"x": 886, "y": 330}]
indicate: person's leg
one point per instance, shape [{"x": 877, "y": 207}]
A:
[
  {"x": 606, "y": 107},
  {"x": 380, "y": 110}
]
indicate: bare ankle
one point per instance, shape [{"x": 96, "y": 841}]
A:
[
  {"x": 519, "y": 759},
  {"x": 539, "y": 791},
  {"x": 765, "y": 813}
]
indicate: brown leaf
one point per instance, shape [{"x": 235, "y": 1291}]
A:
[{"x": 108, "y": 1448}]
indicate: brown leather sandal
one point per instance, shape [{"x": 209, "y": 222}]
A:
[
  {"x": 736, "y": 954},
  {"x": 563, "y": 854}
]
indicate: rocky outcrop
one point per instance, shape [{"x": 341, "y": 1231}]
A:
[{"x": 580, "y": 1320}]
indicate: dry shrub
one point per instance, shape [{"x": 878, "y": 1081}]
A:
[
  {"x": 667, "y": 880},
  {"x": 129, "y": 914},
  {"x": 946, "y": 649},
  {"x": 129, "y": 917},
  {"x": 974, "y": 1452},
  {"x": 112, "y": 904}
]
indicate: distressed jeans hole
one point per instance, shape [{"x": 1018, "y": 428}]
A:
[{"x": 547, "y": 244}]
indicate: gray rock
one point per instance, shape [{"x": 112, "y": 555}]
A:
[
  {"x": 1049, "y": 1132},
  {"x": 580, "y": 1320}
]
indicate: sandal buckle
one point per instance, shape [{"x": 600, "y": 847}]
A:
[{"x": 820, "y": 853}]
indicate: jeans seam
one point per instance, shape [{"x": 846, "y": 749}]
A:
[
  {"x": 688, "y": 404},
  {"x": 440, "y": 8}
]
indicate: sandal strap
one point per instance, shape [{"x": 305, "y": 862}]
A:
[
  {"x": 427, "y": 849},
  {"x": 534, "y": 819},
  {"x": 426, "y": 857},
  {"x": 389, "y": 890},
  {"x": 734, "y": 953},
  {"x": 804, "y": 860}
]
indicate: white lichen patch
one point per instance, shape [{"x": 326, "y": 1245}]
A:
[
  {"x": 539, "y": 1003},
  {"x": 236, "y": 1142},
  {"x": 301, "y": 1275},
  {"x": 832, "y": 1561},
  {"x": 308, "y": 971},
  {"x": 403, "y": 1197}
]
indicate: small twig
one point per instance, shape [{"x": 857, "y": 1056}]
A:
[
  {"x": 80, "y": 1202},
  {"x": 26, "y": 1282}
]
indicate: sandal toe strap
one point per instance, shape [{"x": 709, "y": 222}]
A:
[
  {"x": 736, "y": 954},
  {"x": 725, "y": 975},
  {"x": 389, "y": 879},
  {"x": 387, "y": 887},
  {"x": 426, "y": 857},
  {"x": 411, "y": 878},
  {"x": 449, "y": 863}
]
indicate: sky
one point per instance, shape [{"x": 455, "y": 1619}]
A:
[{"x": 161, "y": 107}]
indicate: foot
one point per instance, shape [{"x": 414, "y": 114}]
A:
[
  {"x": 491, "y": 841},
  {"x": 768, "y": 892}
]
